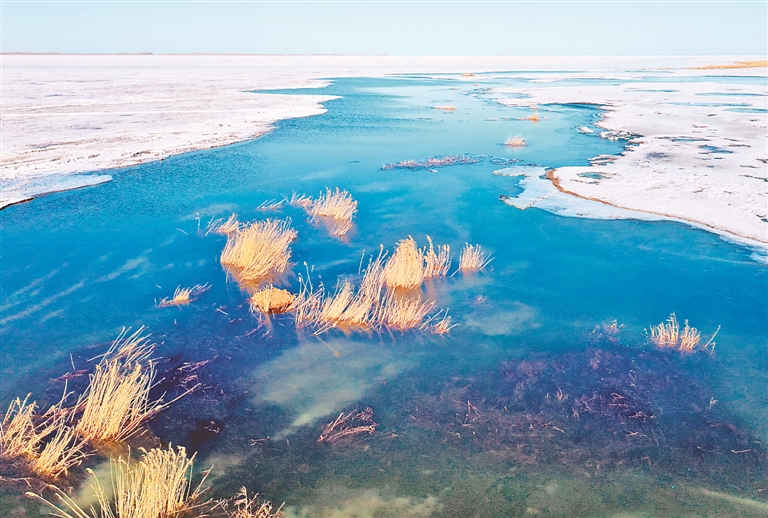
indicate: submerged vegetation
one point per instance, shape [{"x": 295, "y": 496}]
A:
[{"x": 348, "y": 425}]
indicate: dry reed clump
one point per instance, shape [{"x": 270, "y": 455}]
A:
[
  {"x": 271, "y": 300},
  {"x": 667, "y": 335},
  {"x": 183, "y": 296},
  {"x": 157, "y": 486},
  {"x": 473, "y": 258},
  {"x": 252, "y": 507},
  {"x": 515, "y": 141},
  {"x": 271, "y": 205},
  {"x": 116, "y": 402},
  {"x": 403, "y": 313},
  {"x": 405, "y": 269},
  {"x": 337, "y": 206},
  {"x": 259, "y": 249},
  {"x": 48, "y": 445},
  {"x": 299, "y": 200},
  {"x": 436, "y": 264},
  {"x": 217, "y": 226},
  {"x": 439, "y": 323}
]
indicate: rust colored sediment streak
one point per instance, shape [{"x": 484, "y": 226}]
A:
[{"x": 556, "y": 182}]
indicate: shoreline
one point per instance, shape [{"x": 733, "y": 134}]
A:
[
  {"x": 65, "y": 115},
  {"x": 723, "y": 233}
]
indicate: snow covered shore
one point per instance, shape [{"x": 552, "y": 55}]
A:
[{"x": 702, "y": 155}]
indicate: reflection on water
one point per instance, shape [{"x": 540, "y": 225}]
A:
[{"x": 520, "y": 411}]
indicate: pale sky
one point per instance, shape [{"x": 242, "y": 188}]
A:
[{"x": 447, "y": 28}]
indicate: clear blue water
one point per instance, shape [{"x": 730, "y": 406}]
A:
[{"x": 79, "y": 265}]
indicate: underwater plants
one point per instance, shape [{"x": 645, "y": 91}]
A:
[
  {"x": 349, "y": 425},
  {"x": 259, "y": 249},
  {"x": 157, "y": 486},
  {"x": 271, "y": 300},
  {"x": 667, "y": 335},
  {"x": 49, "y": 446},
  {"x": 515, "y": 141},
  {"x": 226, "y": 227},
  {"x": 183, "y": 296},
  {"x": 472, "y": 258}
]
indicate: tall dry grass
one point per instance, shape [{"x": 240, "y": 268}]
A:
[
  {"x": 405, "y": 268},
  {"x": 48, "y": 445},
  {"x": 334, "y": 209},
  {"x": 157, "y": 486},
  {"x": 218, "y": 226},
  {"x": 117, "y": 401},
  {"x": 668, "y": 335},
  {"x": 403, "y": 312},
  {"x": 436, "y": 264},
  {"x": 259, "y": 249},
  {"x": 252, "y": 507},
  {"x": 473, "y": 258},
  {"x": 515, "y": 141}
]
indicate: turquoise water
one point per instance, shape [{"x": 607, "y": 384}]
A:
[{"x": 79, "y": 265}]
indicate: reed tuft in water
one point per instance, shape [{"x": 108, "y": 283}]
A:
[
  {"x": 157, "y": 486},
  {"x": 515, "y": 141},
  {"x": 335, "y": 209},
  {"x": 251, "y": 507},
  {"x": 668, "y": 335},
  {"x": 49, "y": 447},
  {"x": 405, "y": 268},
  {"x": 218, "y": 226},
  {"x": 259, "y": 249},
  {"x": 436, "y": 264},
  {"x": 473, "y": 258},
  {"x": 117, "y": 402},
  {"x": 182, "y": 296},
  {"x": 271, "y": 300},
  {"x": 402, "y": 312}
]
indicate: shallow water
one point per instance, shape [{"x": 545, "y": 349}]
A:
[{"x": 458, "y": 434}]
